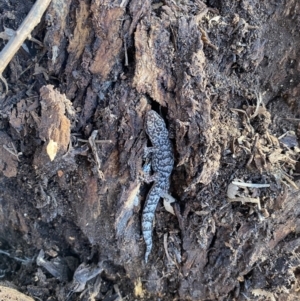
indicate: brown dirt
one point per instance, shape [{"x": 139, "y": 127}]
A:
[{"x": 225, "y": 76}]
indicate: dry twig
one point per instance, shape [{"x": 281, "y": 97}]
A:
[
  {"x": 246, "y": 199},
  {"x": 251, "y": 185},
  {"x": 23, "y": 32},
  {"x": 95, "y": 153}
]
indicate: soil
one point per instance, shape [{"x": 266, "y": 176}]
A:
[{"x": 224, "y": 75}]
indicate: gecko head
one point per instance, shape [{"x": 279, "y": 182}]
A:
[{"x": 155, "y": 125}]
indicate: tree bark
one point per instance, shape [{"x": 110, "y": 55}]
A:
[{"x": 224, "y": 76}]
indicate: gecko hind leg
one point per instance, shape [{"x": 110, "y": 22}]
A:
[
  {"x": 147, "y": 177},
  {"x": 148, "y": 151}
]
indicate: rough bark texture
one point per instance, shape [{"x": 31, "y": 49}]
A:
[{"x": 225, "y": 77}]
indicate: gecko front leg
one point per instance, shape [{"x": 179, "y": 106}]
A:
[{"x": 147, "y": 177}]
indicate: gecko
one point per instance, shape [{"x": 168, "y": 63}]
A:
[{"x": 162, "y": 161}]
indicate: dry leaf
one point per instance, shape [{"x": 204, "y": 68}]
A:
[
  {"x": 289, "y": 139},
  {"x": 52, "y": 149},
  {"x": 168, "y": 207},
  {"x": 232, "y": 191},
  {"x": 138, "y": 288},
  {"x": 168, "y": 200}
]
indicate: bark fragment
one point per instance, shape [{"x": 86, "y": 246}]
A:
[
  {"x": 107, "y": 27},
  {"x": 54, "y": 129}
]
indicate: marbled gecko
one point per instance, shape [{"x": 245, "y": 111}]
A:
[{"x": 162, "y": 164}]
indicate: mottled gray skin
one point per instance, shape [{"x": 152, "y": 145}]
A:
[{"x": 162, "y": 162}]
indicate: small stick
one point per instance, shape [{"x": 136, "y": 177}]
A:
[
  {"x": 241, "y": 111},
  {"x": 27, "y": 260},
  {"x": 247, "y": 117},
  {"x": 14, "y": 152},
  {"x": 23, "y": 32},
  {"x": 96, "y": 141},
  {"x": 206, "y": 40},
  {"x": 166, "y": 249},
  {"x": 246, "y": 200},
  {"x": 125, "y": 49},
  {"x": 292, "y": 119},
  {"x": 258, "y": 103},
  {"x": 251, "y": 185},
  {"x": 285, "y": 177},
  {"x": 94, "y": 150}
]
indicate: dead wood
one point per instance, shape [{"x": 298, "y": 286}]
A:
[{"x": 224, "y": 77}]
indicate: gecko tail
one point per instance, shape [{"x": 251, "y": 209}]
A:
[
  {"x": 148, "y": 249},
  {"x": 147, "y": 226},
  {"x": 148, "y": 218}
]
